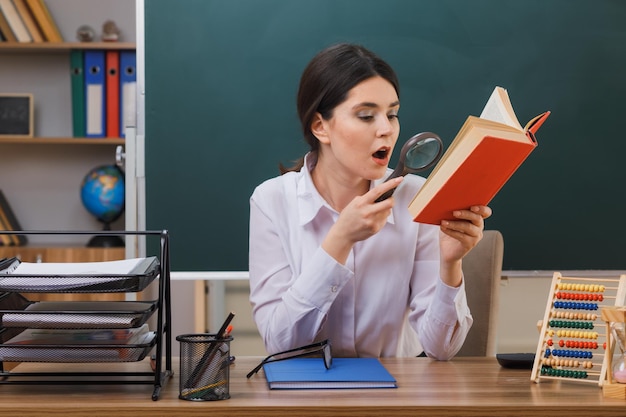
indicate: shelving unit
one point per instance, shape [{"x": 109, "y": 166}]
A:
[
  {"x": 43, "y": 173},
  {"x": 13, "y": 305},
  {"x": 49, "y": 142}
]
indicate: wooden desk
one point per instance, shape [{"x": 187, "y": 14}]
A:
[{"x": 461, "y": 387}]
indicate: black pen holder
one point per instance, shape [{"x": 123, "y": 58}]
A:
[{"x": 204, "y": 367}]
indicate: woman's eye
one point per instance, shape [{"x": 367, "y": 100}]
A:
[
  {"x": 366, "y": 117},
  {"x": 393, "y": 116}
]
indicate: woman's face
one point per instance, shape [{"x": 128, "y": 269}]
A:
[{"x": 363, "y": 130}]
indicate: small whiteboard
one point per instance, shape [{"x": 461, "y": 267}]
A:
[{"x": 16, "y": 115}]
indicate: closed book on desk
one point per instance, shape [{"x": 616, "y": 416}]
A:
[
  {"x": 310, "y": 373},
  {"x": 483, "y": 156}
]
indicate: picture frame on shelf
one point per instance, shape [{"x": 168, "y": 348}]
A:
[{"x": 17, "y": 115}]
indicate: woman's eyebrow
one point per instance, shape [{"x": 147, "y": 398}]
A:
[{"x": 374, "y": 105}]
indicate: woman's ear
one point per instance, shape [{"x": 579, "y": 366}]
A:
[{"x": 318, "y": 128}]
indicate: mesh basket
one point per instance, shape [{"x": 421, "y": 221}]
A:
[
  {"x": 204, "y": 367},
  {"x": 78, "y": 353},
  {"x": 79, "y": 314}
]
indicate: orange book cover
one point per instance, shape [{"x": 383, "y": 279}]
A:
[
  {"x": 483, "y": 156},
  {"x": 112, "y": 88}
]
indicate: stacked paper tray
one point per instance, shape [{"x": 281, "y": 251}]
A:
[
  {"x": 134, "y": 351},
  {"x": 78, "y": 314},
  {"x": 131, "y": 275}
]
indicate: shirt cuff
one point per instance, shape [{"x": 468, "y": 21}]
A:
[
  {"x": 451, "y": 305},
  {"x": 321, "y": 281}
]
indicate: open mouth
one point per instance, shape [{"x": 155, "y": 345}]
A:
[{"x": 381, "y": 154}]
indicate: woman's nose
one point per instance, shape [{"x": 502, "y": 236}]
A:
[{"x": 385, "y": 127}]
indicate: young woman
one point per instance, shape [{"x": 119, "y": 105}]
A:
[{"x": 326, "y": 260}]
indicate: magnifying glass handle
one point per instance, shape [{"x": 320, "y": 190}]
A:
[{"x": 396, "y": 173}]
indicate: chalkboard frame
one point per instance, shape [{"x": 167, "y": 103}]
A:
[{"x": 23, "y": 125}]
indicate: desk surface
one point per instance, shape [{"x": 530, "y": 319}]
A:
[{"x": 461, "y": 387}]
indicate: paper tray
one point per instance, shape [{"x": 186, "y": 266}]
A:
[
  {"x": 79, "y": 353},
  {"x": 81, "y": 283},
  {"x": 79, "y": 314}
]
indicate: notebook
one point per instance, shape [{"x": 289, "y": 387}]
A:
[{"x": 310, "y": 373}]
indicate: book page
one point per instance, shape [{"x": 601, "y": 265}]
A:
[{"x": 499, "y": 109}]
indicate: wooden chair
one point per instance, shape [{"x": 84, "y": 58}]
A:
[{"x": 482, "y": 270}]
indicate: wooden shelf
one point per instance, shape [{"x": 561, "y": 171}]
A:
[
  {"x": 60, "y": 47},
  {"x": 60, "y": 141}
]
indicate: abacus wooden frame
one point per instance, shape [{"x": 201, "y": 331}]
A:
[{"x": 617, "y": 284}]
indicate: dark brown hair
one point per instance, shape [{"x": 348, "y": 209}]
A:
[{"x": 326, "y": 81}]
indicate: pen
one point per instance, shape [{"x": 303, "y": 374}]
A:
[{"x": 222, "y": 332}]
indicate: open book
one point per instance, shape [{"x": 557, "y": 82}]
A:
[{"x": 483, "y": 156}]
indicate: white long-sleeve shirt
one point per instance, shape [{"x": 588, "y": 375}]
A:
[{"x": 300, "y": 294}]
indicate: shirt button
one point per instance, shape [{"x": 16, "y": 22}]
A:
[{"x": 333, "y": 288}]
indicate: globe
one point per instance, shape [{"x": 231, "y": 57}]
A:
[{"x": 102, "y": 194}]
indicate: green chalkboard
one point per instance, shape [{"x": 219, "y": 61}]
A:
[{"x": 221, "y": 80}]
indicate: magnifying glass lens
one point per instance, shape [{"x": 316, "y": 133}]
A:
[
  {"x": 418, "y": 153},
  {"x": 422, "y": 153}
]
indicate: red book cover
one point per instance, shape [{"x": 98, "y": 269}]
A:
[
  {"x": 476, "y": 180},
  {"x": 112, "y": 62}
]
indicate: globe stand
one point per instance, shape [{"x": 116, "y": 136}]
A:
[{"x": 106, "y": 241}]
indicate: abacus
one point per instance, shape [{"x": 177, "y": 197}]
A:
[{"x": 573, "y": 337}]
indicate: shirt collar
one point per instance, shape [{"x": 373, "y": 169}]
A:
[{"x": 310, "y": 202}]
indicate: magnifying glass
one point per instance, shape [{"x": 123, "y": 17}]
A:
[{"x": 419, "y": 153}]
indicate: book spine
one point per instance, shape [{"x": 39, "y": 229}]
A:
[
  {"x": 54, "y": 28},
  {"x": 5, "y": 28},
  {"x": 15, "y": 21},
  {"x": 44, "y": 20},
  {"x": 112, "y": 87},
  {"x": 29, "y": 20},
  {"x": 77, "y": 76}
]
